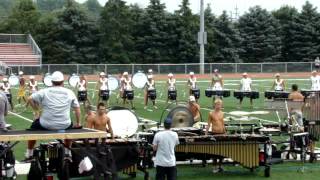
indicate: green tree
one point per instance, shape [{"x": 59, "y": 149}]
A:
[
  {"x": 258, "y": 29},
  {"x": 287, "y": 16},
  {"x": 187, "y": 28},
  {"x": 5, "y": 8},
  {"x": 154, "y": 44},
  {"x": 116, "y": 40},
  {"x": 305, "y": 34},
  {"x": 210, "y": 48},
  {"x": 94, "y": 8},
  {"x": 22, "y": 19},
  {"x": 70, "y": 37},
  {"x": 46, "y": 6},
  {"x": 227, "y": 40}
]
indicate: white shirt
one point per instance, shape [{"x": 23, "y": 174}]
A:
[
  {"x": 127, "y": 84},
  {"x": 278, "y": 85},
  {"x": 81, "y": 85},
  {"x": 33, "y": 86},
  {"x": 246, "y": 84},
  {"x": 172, "y": 83},
  {"x": 165, "y": 141},
  {"x": 193, "y": 82},
  {"x": 150, "y": 85},
  {"x": 56, "y": 103},
  {"x": 6, "y": 88},
  {"x": 315, "y": 83},
  {"x": 104, "y": 84}
]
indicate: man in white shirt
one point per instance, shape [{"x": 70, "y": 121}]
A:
[
  {"x": 56, "y": 103},
  {"x": 245, "y": 86},
  {"x": 164, "y": 143},
  {"x": 315, "y": 81}
]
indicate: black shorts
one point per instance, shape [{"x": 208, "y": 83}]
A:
[
  {"x": 169, "y": 173},
  {"x": 37, "y": 126}
]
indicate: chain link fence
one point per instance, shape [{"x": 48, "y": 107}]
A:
[{"x": 168, "y": 68}]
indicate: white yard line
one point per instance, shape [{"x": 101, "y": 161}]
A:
[{"x": 22, "y": 117}]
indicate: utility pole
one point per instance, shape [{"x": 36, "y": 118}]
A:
[{"x": 202, "y": 37}]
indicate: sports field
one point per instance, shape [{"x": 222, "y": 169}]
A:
[{"x": 284, "y": 171}]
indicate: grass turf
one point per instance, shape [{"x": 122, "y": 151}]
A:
[{"x": 230, "y": 104}]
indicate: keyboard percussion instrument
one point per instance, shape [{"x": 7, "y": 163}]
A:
[
  {"x": 221, "y": 93},
  {"x": 248, "y": 94}
]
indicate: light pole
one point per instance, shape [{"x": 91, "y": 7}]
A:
[{"x": 202, "y": 37}]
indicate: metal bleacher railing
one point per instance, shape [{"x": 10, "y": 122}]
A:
[
  {"x": 274, "y": 67},
  {"x": 25, "y": 39}
]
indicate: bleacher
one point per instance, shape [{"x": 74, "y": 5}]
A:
[{"x": 22, "y": 53}]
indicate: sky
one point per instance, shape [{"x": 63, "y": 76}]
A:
[{"x": 229, "y": 5}]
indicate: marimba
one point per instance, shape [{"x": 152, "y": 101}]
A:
[
  {"x": 248, "y": 94},
  {"x": 307, "y": 93},
  {"x": 222, "y": 93},
  {"x": 276, "y": 94},
  {"x": 243, "y": 149}
]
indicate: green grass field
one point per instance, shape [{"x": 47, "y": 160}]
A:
[{"x": 283, "y": 171}]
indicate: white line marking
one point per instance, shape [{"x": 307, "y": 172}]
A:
[{"x": 24, "y": 118}]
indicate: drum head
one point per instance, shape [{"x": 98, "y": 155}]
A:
[
  {"x": 124, "y": 122},
  {"x": 13, "y": 80},
  {"x": 47, "y": 80},
  {"x": 139, "y": 80},
  {"x": 181, "y": 117},
  {"x": 113, "y": 83},
  {"x": 74, "y": 80}
]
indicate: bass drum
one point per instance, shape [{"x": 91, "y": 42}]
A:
[
  {"x": 47, "y": 80},
  {"x": 73, "y": 80},
  {"x": 113, "y": 83},
  {"x": 124, "y": 122},
  {"x": 13, "y": 80},
  {"x": 139, "y": 80}
]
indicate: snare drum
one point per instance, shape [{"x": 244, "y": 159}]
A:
[
  {"x": 128, "y": 94},
  {"x": 208, "y": 93},
  {"x": 172, "y": 94},
  {"x": 195, "y": 93},
  {"x": 82, "y": 96},
  {"x": 104, "y": 94},
  {"x": 152, "y": 94}
]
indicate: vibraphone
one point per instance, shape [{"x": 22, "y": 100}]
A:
[{"x": 222, "y": 93}]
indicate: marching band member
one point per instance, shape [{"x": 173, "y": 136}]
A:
[
  {"x": 82, "y": 90},
  {"x": 33, "y": 85},
  {"x": 246, "y": 86},
  {"x": 192, "y": 83},
  {"x": 6, "y": 89},
  {"x": 103, "y": 85},
  {"x": 217, "y": 81},
  {"x": 149, "y": 91},
  {"x": 121, "y": 81},
  {"x": 22, "y": 88},
  {"x": 315, "y": 81},
  {"x": 127, "y": 90},
  {"x": 150, "y": 72},
  {"x": 194, "y": 108},
  {"x": 295, "y": 95},
  {"x": 171, "y": 86},
  {"x": 278, "y": 84},
  {"x": 216, "y": 123},
  {"x": 100, "y": 120}
]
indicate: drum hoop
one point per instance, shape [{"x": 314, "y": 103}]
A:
[
  {"x": 73, "y": 76},
  {"x": 113, "y": 79},
  {"x": 141, "y": 81},
  {"x": 15, "y": 78}
]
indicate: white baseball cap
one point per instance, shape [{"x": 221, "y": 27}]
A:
[
  {"x": 125, "y": 73},
  {"x": 277, "y": 74},
  {"x": 191, "y": 73},
  {"x": 313, "y": 72},
  {"x": 20, "y": 72},
  {"x": 170, "y": 74},
  {"x": 57, "y": 76},
  {"x": 31, "y": 77},
  {"x": 150, "y": 76},
  {"x": 5, "y": 79},
  {"x": 150, "y": 71},
  {"x": 192, "y": 99},
  {"x": 245, "y": 74},
  {"x": 102, "y": 74},
  {"x": 216, "y": 70}
]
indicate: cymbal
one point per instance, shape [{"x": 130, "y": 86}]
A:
[{"x": 181, "y": 117}]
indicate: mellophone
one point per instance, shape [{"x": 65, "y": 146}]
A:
[
  {"x": 222, "y": 93},
  {"x": 248, "y": 94},
  {"x": 276, "y": 94}
]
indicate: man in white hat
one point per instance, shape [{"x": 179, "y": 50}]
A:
[
  {"x": 278, "y": 83},
  {"x": 126, "y": 85},
  {"x": 172, "y": 91},
  {"x": 150, "y": 92},
  {"x": 103, "y": 87},
  {"x": 245, "y": 86},
  {"x": 315, "y": 81},
  {"x": 194, "y": 108},
  {"x": 56, "y": 103}
]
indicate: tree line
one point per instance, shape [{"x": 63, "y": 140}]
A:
[{"x": 69, "y": 32}]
